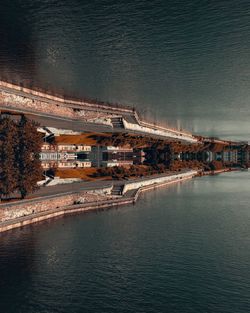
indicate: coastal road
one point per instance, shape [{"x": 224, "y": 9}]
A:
[
  {"x": 60, "y": 122},
  {"x": 75, "y": 125},
  {"x": 49, "y": 192},
  {"x": 73, "y": 187},
  {"x": 127, "y": 113}
]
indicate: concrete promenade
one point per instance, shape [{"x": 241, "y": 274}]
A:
[
  {"x": 129, "y": 195},
  {"x": 16, "y": 98}
]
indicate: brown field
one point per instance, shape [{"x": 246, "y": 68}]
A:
[
  {"x": 87, "y": 173},
  {"x": 84, "y": 138},
  {"x": 83, "y": 173}
]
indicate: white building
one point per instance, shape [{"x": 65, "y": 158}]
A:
[{"x": 65, "y": 156}]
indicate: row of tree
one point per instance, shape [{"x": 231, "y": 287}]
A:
[
  {"x": 134, "y": 141},
  {"x": 120, "y": 172},
  {"x": 20, "y": 166}
]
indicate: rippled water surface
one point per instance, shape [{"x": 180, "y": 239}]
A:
[
  {"x": 181, "y": 249},
  {"x": 183, "y": 63}
]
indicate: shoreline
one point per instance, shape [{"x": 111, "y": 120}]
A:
[
  {"x": 21, "y": 213},
  {"x": 132, "y": 194},
  {"x": 16, "y": 97}
]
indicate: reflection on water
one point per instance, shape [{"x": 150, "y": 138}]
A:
[
  {"x": 182, "y": 63},
  {"x": 181, "y": 247}
]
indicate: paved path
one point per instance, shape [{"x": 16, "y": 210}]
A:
[
  {"x": 129, "y": 197},
  {"x": 60, "y": 122},
  {"x": 49, "y": 192},
  {"x": 89, "y": 206},
  {"x": 76, "y": 124}
]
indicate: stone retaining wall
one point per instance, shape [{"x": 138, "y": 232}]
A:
[
  {"x": 22, "y": 209},
  {"x": 12, "y": 96},
  {"x": 159, "y": 180},
  {"x": 23, "y": 214},
  {"x": 73, "y": 209},
  {"x": 149, "y": 129},
  {"x": 87, "y": 105},
  {"x": 13, "y": 211},
  {"x": 13, "y": 102}
]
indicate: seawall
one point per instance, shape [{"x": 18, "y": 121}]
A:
[
  {"x": 43, "y": 210},
  {"x": 13, "y": 97}
]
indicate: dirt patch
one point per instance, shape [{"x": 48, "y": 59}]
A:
[
  {"x": 83, "y": 173},
  {"x": 90, "y": 139}
]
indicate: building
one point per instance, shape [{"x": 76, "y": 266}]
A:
[
  {"x": 121, "y": 156},
  {"x": 80, "y": 156},
  {"x": 65, "y": 156}
]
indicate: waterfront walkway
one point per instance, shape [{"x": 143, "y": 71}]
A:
[
  {"x": 129, "y": 195},
  {"x": 71, "y": 113}
]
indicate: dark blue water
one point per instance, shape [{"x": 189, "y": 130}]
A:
[
  {"x": 182, "y": 63},
  {"x": 181, "y": 249}
]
